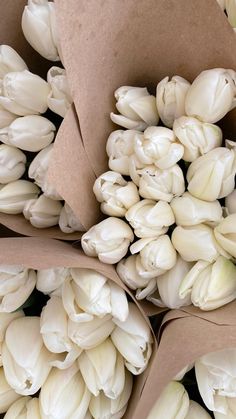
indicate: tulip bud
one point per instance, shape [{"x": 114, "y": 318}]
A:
[
  {"x": 211, "y": 95},
  {"x": 173, "y": 403},
  {"x": 158, "y": 146},
  {"x": 189, "y": 211},
  {"x": 231, "y": 409},
  {"x": 211, "y": 176},
  {"x": 39, "y": 18},
  {"x": 7, "y": 394},
  {"x": 24, "y": 408},
  {"x": 156, "y": 256},
  {"x": 137, "y": 108},
  {"x": 102, "y": 368},
  {"x": 230, "y": 6},
  {"x": 115, "y": 194},
  {"x": 10, "y": 61},
  {"x": 5, "y": 320},
  {"x": 149, "y": 218},
  {"x": 127, "y": 271},
  {"x": 24, "y": 93},
  {"x": 197, "y": 137},
  {"x": 6, "y": 118},
  {"x": 120, "y": 148},
  {"x": 196, "y": 243},
  {"x": 14, "y": 195},
  {"x": 108, "y": 240},
  {"x": 170, "y": 99},
  {"x": 230, "y": 203},
  {"x": 68, "y": 221},
  {"x": 59, "y": 99},
  {"x": 168, "y": 287},
  {"x": 64, "y": 395},
  {"x": 27, "y": 364},
  {"x": 12, "y": 163},
  {"x": 49, "y": 281},
  {"x": 30, "y": 133},
  {"x": 160, "y": 184},
  {"x": 133, "y": 340},
  {"x": 102, "y": 407},
  {"x": 38, "y": 171},
  {"x": 42, "y": 212},
  {"x": 225, "y": 234},
  {"x": 196, "y": 411}
]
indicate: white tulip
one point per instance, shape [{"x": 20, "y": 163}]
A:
[
  {"x": 210, "y": 285},
  {"x": 133, "y": 340},
  {"x": 150, "y": 289},
  {"x": 158, "y": 146},
  {"x": 211, "y": 176},
  {"x": 24, "y": 93},
  {"x": 7, "y": 394},
  {"x": 109, "y": 240},
  {"x": 230, "y": 202},
  {"x": 231, "y": 409},
  {"x": 30, "y": 133},
  {"x": 59, "y": 99},
  {"x": 5, "y": 320},
  {"x": 24, "y": 408},
  {"x": 101, "y": 407},
  {"x": 54, "y": 330},
  {"x": 6, "y": 117},
  {"x": 230, "y": 6},
  {"x": 197, "y": 137},
  {"x": 216, "y": 374},
  {"x": 160, "y": 184},
  {"x": 189, "y": 211},
  {"x": 137, "y": 108},
  {"x": 168, "y": 287},
  {"x": 49, "y": 281},
  {"x": 221, "y": 4},
  {"x": 42, "y": 212},
  {"x": 27, "y": 364},
  {"x": 64, "y": 395},
  {"x": 225, "y": 234},
  {"x": 211, "y": 95},
  {"x": 14, "y": 195},
  {"x": 16, "y": 285},
  {"x": 170, "y": 99},
  {"x": 38, "y": 171},
  {"x": 12, "y": 163},
  {"x": 196, "y": 243},
  {"x": 39, "y": 18},
  {"x": 127, "y": 271},
  {"x": 90, "y": 333},
  {"x": 149, "y": 218},
  {"x": 10, "y": 61},
  {"x": 102, "y": 368},
  {"x": 173, "y": 403},
  {"x": 68, "y": 221},
  {"x": 196, "y": 411},
  {"x": 115, "y": 194},
  {"x": 156, "y": 255}
]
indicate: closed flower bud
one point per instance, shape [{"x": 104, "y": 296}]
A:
[
  {"x": 24, "y": 408},
  {"x": 5, "y": 320},
  {"x": 27, "y": 364},
  {"x": 196, "y": 242},
  {"x": 6, "y": 117},
  {"x": 158, "y": 146},
  {"x": 42, "y": 212},
  {"x": 68, "y": 221},
  {"x": 210, "y": 285},
  {"x": 127, "y": 271},
  {"x": 14, "y": 195},
  {"x": 7, "y": 394},
  {"x": 108, "y": 240},
  {"x": 120, "y": 149},
  {"x": 49, "y": 281},
  {"x": 211, "y": 95},
  {"x": 156, "y": 256},
  {"x": 173, "y": 403},
  {"x": 230, "y": 6},
  {"x": 38, "y": 171},
  {"x": 168, "y": 286},
  {"x": 12, "y": 163},
  {"x": 225, "y": 234},
  {"x": 149, "y": 218},
  {"x": 16, "y": 285},
  {"x": 59, "y": 99},
  {"x": 115, "y": 194},
  {"x": 211, "y": 176},
  {"x": 30, "y": 133},
  {"x": 102, "y": 368},
  {"x": 189, "y": 211},
  {"x": 137, "y": 108},
  {"x": 160, "y": 184},
  {"x": 39, "y": 18},
  {"x": 197, "y": 137},
  {"x": 230, "y": 202},
  {"x": 64, "y": 395},
  {"x": 133, "y": 340},
  {"x": 24, "y": 93},
  {"x": 10, "y": 61},
  {"x": 170, "y": 99}
]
